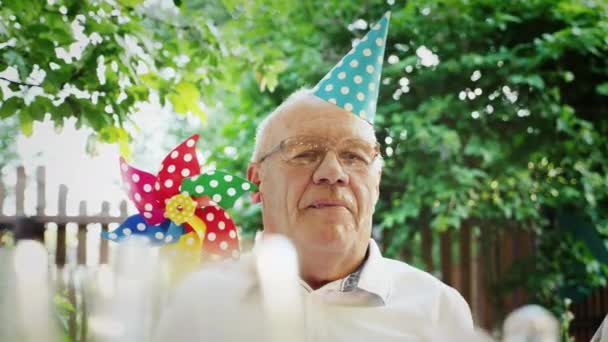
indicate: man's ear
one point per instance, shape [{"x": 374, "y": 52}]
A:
[{"x": 253, "y": 175}]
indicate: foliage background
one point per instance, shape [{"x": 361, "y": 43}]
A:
[{"x": 491, "y": 112}]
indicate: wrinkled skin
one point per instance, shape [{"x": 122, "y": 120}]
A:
[{"x": 325, "y": 211}]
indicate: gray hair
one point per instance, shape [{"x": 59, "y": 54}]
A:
[{"x": 262, "y": 129}]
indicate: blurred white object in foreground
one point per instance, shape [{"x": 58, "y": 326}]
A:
[
  {"x": 127, "y": 296},
  {"x": 277, "y": 268},
  {"x": 33, "y": 296},
  {"x": 256, "y": 298},
  {"x": 531, "y": 323},
  {"x": 7, "y": 296}
]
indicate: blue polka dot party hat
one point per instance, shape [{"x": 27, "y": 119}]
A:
[{"x": 353, "y": 83}]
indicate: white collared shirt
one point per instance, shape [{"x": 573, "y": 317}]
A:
[
  {"x": 384, "y": 300},
  {"x": 390, "y": 301}
]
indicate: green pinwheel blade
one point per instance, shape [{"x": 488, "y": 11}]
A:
[{"x": 222, "y": 187}]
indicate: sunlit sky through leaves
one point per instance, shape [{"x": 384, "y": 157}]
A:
[{"x": 93, "y": 179}]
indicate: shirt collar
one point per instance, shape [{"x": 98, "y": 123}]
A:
[{"x": 372, "y": 275}]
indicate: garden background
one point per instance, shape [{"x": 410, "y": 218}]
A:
[{"x": 491, "y": 118}]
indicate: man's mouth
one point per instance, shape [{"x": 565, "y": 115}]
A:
[{"x": 322, "y": 204}]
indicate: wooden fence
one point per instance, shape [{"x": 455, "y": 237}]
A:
[
  {"x": 473, "y": 261},
  {"x": 64, "y": 272},
  {"x": 469, "y": 259},
  {"x": 589, "y": 314},
  {"x": 62, "y": 219}
]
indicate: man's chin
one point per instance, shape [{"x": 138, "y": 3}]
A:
[
  {"x": 328, "y": 236},
  {"x": 328, "y": 216}
]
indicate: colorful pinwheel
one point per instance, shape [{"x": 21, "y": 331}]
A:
[{"x": 181, "y": 208}]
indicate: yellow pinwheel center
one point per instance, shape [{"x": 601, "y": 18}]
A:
[{"x": 180, "y": 208}]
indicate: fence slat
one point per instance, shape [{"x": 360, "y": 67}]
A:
[
  {"x": 506, "y": 263},
  {"x": 522, "y": 250},
  {"x": 465, "y": 261},
  {"x": 476, "y": 292},
  {"x": 103, "y": 249},
  {"x": 61, "y": 210},
  {"x": 81, "y": 254},
  {"x": 446, "y": 257},
  {"x": 20, "y": 191},
  {"x": 485, "y": 262},
  {"x": 427, "y": 248},
  {"x": 123, "y": 208},
  {"x": 2, "y": 195},
  {"x": 40, "y": 191}
]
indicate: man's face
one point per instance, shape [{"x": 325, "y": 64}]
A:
[{"x": 325, "y": 207}]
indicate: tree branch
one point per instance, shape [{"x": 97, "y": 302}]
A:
[{"x": 20, "y": 83}]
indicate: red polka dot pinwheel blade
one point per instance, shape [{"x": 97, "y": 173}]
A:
[
  {"x": 180, "y": 163},
  {"x": 221, "y": 238},
  {"x": 139, "y": 186}
]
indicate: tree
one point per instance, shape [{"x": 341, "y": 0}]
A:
[
  {"x": 95, "y": 60},
  {"x": 501, "y": 105}
]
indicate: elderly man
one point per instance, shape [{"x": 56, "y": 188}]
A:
[{"x": 317, "y": 165}]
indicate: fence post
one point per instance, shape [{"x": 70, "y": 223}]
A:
[
  {"x": 40, "y": 191},
  {"x": 2, "y": 193},
  {"x": 465, "y": 261},
  {"x": 506, "y": 263},
  {"x": 446, "y": 257},
  {"x": 489, "y": 246},
  {"x": 20, "y": 191},
  {"x": 427, "y": 248},
  {"x": 123, "y": 209},
  {"x": 62, "y": 212},
  {"x": 103, "y": 249},
  {"x": 81, "y": 255}
]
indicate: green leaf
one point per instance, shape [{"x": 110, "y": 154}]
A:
[
  {"x": 91, "y": 146},
  {"x": 63, "y": 304},
  {"x": 15, "y": 58},
  {"x": 440, "y": 223},
  {"x": 151, "y": 79},
  {"x": 488, "y": 150},
  {"x": 26, "y": 123},
  {"x": 602, "y": 89},
  {"x": 10, "y": 107},
  {"x": 112, "y": 134},
  {"x": 40, "y": 107},
  {"x": 130, "y": 3},
  {"x": 532, "y": 80},
  {"x": 185, "y": 100}
]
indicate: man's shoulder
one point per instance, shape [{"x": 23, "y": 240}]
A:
[
  {"x": 413, "y": 286},
  {"x": 407, "y": 278},
  {"x": 400, "y": 270}
]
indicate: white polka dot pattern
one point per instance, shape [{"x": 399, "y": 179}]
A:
[
  {"x": 348, "y": 84},
  {"x": 222, "y": 188},
  {"x": 180, "y": 163},
  {"x": 221, "y": 237}
]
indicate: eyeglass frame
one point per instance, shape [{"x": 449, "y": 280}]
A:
[{"x": 280, "y": 145}]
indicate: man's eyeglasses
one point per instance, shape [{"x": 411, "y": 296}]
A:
[{"x": 309, "y": 151}]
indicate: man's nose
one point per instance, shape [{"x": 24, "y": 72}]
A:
[{"x": 330, "y": 171}]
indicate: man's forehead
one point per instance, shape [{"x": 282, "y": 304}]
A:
[{"x": 310, "y": 115}]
